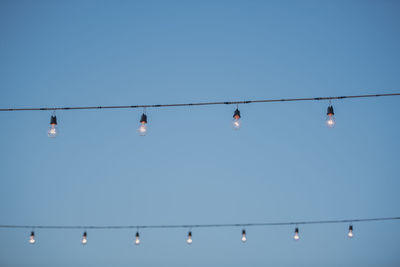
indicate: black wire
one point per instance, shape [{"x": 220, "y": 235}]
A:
[
  {"x": 203, "y": 103},
  {"x": 197, "y": 225}
]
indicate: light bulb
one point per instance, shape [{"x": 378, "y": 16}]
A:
[
  {"x": 32, "y": 238},
  {"x": 236, "y": 123},
  {"x": 330, "y": 118},
  {"x": 296, "y": 234},
  {"x": 143, "y": 127},
  {"x": 189, "y": 238},
  {"x": 137, "y": 240},
  {"x": 350, "y": 233},
  {"x": 84, "y": 238},
  {"x": 244, "y": 238},
  {"x": 53, "y": 131}
]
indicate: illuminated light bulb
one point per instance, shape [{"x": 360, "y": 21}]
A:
[
  {"x": 244, "y": 238},
  {"x": 53, "y": 131},
  {"x": 137, "y": 240},
  {"x": 330, "y": 118},
  {"x": 350, "y": 233},
  {"x": 189, "y": 238},
  {"x": 236, "y": 123},
  {"x": 143, "y": 127},
  {"x": 32, "y": 238},
  {"x": 84, "y": 238},
  {"x": 296, "y": 234}
]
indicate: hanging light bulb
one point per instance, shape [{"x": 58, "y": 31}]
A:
[
  {"x": 236, "y": 123},
  {"x": 53, "y": 131},
  {"x": 244, "y": 238},
  {"x": 350, "y": 233},
  {"x": 137, "y": 240},
  {"x": 330, "y": 118},
  {"x": 189, "y": 238},
  {"x": 143, "y": 128},
  {"x": 32, "y": 238},
  {"x": 84, "y": 238},
  {"x": 296, "y": 234}
]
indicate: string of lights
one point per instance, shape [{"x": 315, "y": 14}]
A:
[
  {"x": 189, "y": 239},
  {"x": 236, "y": 123}
]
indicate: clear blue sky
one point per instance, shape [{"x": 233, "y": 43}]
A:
[{"x": 192, "y": 168}]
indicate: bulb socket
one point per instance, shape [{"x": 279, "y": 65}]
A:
[
  {"x": 53, "y": 120},
  {"x": 137, "y": 234},
  {"x": 243, "y": 232},
  {"x": 236, "y": 114},
  {"x": 330, "y": 112},
  {"x": 351, "y": 228},
  {"x": 143, "y": 119},
  {"x": 296, "y": 231},
  {"x": 32, "y": 234},
  {"x": 84, "y": 234}
]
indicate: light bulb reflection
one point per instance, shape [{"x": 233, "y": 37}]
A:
[
  {"x": 296, "y": 234},
  {"x": 189, "y": 238},
  {"x": 350, "y": 233},
  {"x": 137, "y": 240},
  {"x": 244, "y": 238},
  {"x": 32, "y": 238},
  {"x": 236, "y": 123},
  {"x": 84, "y": 238}
]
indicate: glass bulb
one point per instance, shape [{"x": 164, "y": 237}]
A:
[
  {"x": 137, "y": 241},
  {"x": 330, "y": 121},
  {"x": 350, "y": 234},
  {"x": 244, "y": 238},
  {"x": 189, "y": 239},
  {"x": 32, "y": 238},
  {"x": 236, "y": 123},
  {"x": 53, "y": 131},
  {"x": 142, "y": 129}
]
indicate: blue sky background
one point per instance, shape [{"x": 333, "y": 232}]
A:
[{"x": 192, "y": 168}]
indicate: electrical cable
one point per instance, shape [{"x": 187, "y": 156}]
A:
[
  {"x": 202, "y": 103},
  {"x": 190, "y": 226}
]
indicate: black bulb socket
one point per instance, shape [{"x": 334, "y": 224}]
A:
[
  {"x": 236, "y": 114},
  {"x": 330, "y": 111},
  {"x": 53, "y": 120},
  {"x": 143, "y": 119}
]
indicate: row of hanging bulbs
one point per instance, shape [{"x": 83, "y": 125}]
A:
[
  {"x": 189, "y": 239},
  {"x": 236, "y": 123}
]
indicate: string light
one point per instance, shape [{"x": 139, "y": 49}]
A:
[
  {"x": 296, "y": 234},
  {"x": 32, "y": 238},
  {"x": 330, "y": 121},
  {"x": 137, "y": 240},
  {"x": 84, "y": 238},
  {"x": 244, "y": 238},
  {"x": 236, "y": 120},
  {"x": 350, "y": 233},
  {"x": 330, "y": 118},
  {"x": 53, "y": 131},
  {"x": 189, "y": 238},
  {"x": 143, "y": 127}
]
